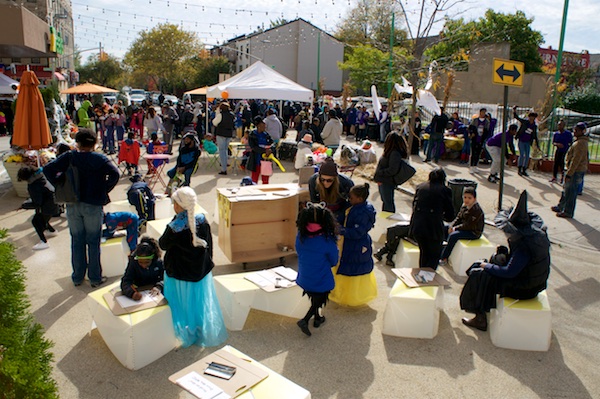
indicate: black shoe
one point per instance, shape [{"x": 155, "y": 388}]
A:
[
  {"x": 556, "y": 209},
  {"x": 390, "y": 263},
  {"x": 520, "y": 171},
  {"x": 223, "y": 173},
  {"x": 77, "y": 284},
  {"x": 379, "y": 254},
  {"x": 99, "y": 283},
  {"x": 524, "y": 173},
  {"x": 318, "y": 321},
  {"x": 479, "y": 322},
  {"x": 304, "y": 327}
]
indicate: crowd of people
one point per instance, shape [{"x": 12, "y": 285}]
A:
[{"x": 335, "y": 250}]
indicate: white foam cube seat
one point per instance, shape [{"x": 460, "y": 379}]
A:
[
  {"x": 238, "y": 295},
  {"x": 136, "y": 339},
  {"x": 163, "y": 208},
  {"x": 156, "y": 228},
  {"x": 522, "y": 324},
  {"x": 119, "y": 206},
  {"x": 466, "y": 252},
  {"x": 113, "y": 256},
  {"x": 407, "y": 255},
  {"x": 413, "y": 312}
]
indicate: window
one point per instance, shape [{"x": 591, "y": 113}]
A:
[
  {"x": 35, "y": 60},
  {"x": 15, "y": 60}
]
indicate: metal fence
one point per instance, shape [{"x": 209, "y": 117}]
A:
[{"x": 466, "y": 112}]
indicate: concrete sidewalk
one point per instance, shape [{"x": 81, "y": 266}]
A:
[{"x": 348, "y": 357}]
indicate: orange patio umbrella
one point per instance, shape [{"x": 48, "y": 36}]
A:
[
  {"x": 198, "y": 91},
  {"x": 88, "y": 88},
  {"x": 31, "y": 128}
]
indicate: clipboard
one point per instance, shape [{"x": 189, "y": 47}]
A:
[
  {"x": 118, "y": 310},
  {"x": 406, "y": 275},
  {"x": 247, "y": 375}
]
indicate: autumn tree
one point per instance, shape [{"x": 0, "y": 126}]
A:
[
  {"x": 163, "y": 54},
  {"x": 458, "y": 36},
  {"x": 104, "y": 71}
]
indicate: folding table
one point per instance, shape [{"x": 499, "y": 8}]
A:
[{"x": 157, "y": 176}]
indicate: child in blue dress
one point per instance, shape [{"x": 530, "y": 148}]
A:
[
  {"x": 355, "y": 283},
  {"x": 189, "y": 288},
  {"x": 316, "y": 245}
]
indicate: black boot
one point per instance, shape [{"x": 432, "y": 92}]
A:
[
  {"x": 520, "y": 171},
  {"x": 479, "y": 321},
  {"x": 382, "y": 251},
  {"x": 524, "y": 173}
]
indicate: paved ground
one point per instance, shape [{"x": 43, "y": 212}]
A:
[{"x": 348, "y": 357}]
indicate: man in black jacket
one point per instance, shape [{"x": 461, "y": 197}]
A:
[
  {"x": 224, "y": 123},
  {"x": 96, "y": 177}
]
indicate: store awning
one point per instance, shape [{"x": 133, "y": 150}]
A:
[
  {"x": 59, "y": 76},
  {"x": 23, "y": 34}
]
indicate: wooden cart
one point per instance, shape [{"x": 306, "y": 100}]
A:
[{"x": 258, "y": 223}]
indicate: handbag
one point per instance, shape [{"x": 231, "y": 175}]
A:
[
  {"x": 67, "y": 188},
  {"x": 404, "y": 174},
  {"x": 266, "y": 168}
]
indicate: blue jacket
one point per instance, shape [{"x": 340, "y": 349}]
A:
[
  {"x": 97, "y": 175},
  {"x": 357, "y": 252},
  {"x": 316, "y": 256}
]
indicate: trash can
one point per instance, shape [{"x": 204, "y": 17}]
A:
[{"x": 457, "y": 186}]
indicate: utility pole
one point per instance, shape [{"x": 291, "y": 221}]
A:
[
  {"x": 391, "y": 61},
  {"x": 563, "y": 28}
]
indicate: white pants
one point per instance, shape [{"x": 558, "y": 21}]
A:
[{"x": 496, "y": 154}]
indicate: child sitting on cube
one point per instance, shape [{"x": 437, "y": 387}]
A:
[
  {"x": 145, "y": 267},
  {"x": 468, "y": 224}
]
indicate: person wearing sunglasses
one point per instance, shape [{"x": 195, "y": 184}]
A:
[{"x": 332, "y": 188}]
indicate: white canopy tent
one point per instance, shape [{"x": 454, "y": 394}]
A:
[
  {"x": 260, "y": 81},
  {"x": 8, "y": 85}
]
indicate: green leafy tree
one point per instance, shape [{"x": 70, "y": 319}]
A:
[
  {"x": 370, "y": 22},
  {"x": 278, "y": 22},
  {"x": 105, "y": 70},
  {"x": 25, "y": 357},
  {"x": 584, "y": 99},
  {"x": 207, "y": 69},
  {"x": 162, "y": 54},
  {"x": 458, "y": 36},
  {"x": 367, "y": 66}
]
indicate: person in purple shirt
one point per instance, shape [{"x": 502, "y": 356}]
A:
[
  {"x": 494, "y": 148},
  {"x": 562, "y": 140}
]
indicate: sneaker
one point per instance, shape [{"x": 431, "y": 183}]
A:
[
  {"x": 99, "y": 283},
  {"x": 223, "y": 173},
  {"x": 40, "y": 245},
  {"x": 443, "y": 262},
  {"x": 51, "y": 233},
  {"x": 77, "y": 284}
]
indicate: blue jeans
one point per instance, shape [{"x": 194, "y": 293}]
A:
[
  {"x": 109, "y": 136},
  {"x": 223, "y": 144},
  {"x": 386, "y": 191},
  {"x": 569, "y": 194},
  {"x": 524, "y": 150},
  {"x": 453, "y": 239},
  {"x": 120, "y": 133},
  {"x": 433, "y": 149},
  {"x": 85, "y": 226},
  {"x": 187, "y": 174}
]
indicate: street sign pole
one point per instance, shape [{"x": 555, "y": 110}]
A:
[{"x": 503, "y": 148}]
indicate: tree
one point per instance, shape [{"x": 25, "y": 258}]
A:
[
  {"x": 367, "y": 66},
  {"x": 105, "y": 70},
  {"x": 458, "y": 36},
  {"x": 208, "y": 68},
  {"x": 162, "y": 54},
  {"x": 370, "y": 23},
  {"x": 278, "y": 22}
]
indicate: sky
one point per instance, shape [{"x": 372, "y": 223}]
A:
[{"x": 116, "y": 23}]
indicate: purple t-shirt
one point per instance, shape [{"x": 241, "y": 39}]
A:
[
  {"x": 496, "y": 140},
  {"x": 565, "y": 138}
]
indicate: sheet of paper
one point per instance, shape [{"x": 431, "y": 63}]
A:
[
  {"x": 200, "y": 387},
  {"x": 286, "y": 272},
  {"x": 258, "y": 280},
  {"x": 275, "y": 279},
  {"x": 425, "y": 276},
  {"x": 126, "y": 302},
  {"x": 401, "y": 217}
]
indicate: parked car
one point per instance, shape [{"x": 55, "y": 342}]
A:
[
  {"x": 110, "y": 98},
  {"x": 137, "y": 98},
  {"x": 173, "y": 99}
]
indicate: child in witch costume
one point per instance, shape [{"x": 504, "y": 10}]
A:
[{"x": 316, "y": 245}]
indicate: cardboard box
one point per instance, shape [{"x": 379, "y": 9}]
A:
[
  {"x": 114, "y": 306},
  {"x": 406, "y": 275}
]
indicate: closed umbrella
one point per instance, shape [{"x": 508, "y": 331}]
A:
[
  {"x": 31, "y": 128},
  {"x": 88, "y": 88}
]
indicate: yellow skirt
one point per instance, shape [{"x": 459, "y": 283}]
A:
[{"x": 353, "y": 290}]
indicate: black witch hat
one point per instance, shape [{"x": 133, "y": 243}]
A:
[{"x": 518, "y": 219}]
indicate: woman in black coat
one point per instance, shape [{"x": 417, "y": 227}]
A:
[
  {"x": 432, "y": 206},
  {"x": 394, "y": 153}
]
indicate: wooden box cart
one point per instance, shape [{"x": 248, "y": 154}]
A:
[{"x": 258, "y": 223}]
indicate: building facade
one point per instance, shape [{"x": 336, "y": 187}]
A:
[
  {"x": 38, "y": 34},
  {"x": 298, "y": 50}
]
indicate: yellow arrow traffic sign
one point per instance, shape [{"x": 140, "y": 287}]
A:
[{"x": 508, "y": 73}]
